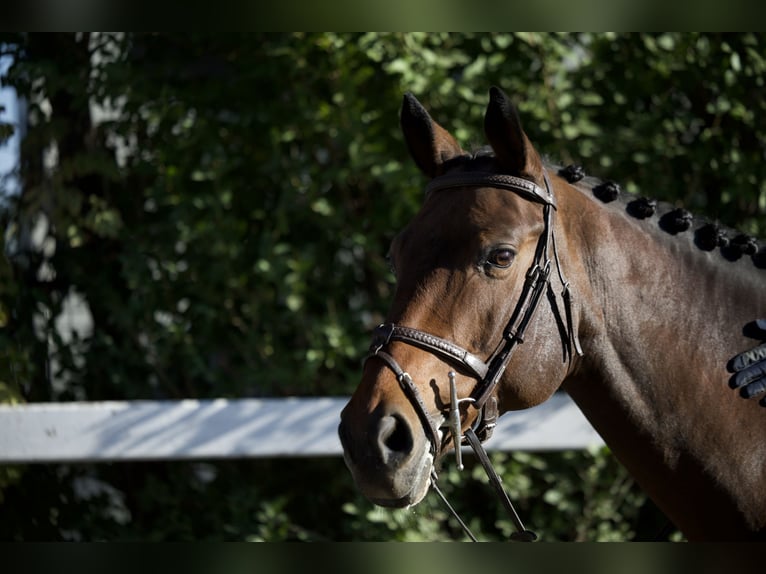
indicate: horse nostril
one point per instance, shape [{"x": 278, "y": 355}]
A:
[{"x": 394, "y": 438}]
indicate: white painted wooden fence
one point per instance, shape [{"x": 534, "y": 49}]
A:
[
  {"x": 241, "y": 428},
  {"x": 192, "y": 429}
]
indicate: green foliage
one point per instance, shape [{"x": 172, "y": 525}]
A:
[
  {"x": 563, "y": 496},
  {"x": 227, "y": 217}
]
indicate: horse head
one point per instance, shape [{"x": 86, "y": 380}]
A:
[{"x": 474, "y": 273}]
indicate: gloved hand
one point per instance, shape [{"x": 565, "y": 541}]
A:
[{"x": 749, "y": 367}]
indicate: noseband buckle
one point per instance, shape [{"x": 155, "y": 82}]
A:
[{"x": 381, "y": 337}]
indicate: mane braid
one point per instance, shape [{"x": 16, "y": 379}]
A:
[
  {"x": 708, "y": 235},
  {"x": 642, "y": 207}
]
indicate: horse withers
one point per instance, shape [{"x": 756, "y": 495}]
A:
[{"x": 515, "y": 280}]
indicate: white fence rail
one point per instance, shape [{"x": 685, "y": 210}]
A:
[{"x": 212, "y": 429}]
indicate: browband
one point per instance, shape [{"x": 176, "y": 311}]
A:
[{"x": 524, "y": 187}]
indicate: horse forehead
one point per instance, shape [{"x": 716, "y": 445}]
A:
[
  {"x": 494, "y": 207},
  {"x": 471, "y": 210},
  {"x": 473, "y": 217}
]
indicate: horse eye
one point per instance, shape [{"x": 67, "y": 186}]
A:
[{"x": 502, "y": 257}]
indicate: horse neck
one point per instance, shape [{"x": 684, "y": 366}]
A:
[{"x": 658, "y": 320}]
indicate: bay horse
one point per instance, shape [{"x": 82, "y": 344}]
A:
[{"x": 515, "y": 280}]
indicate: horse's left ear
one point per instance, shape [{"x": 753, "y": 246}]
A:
[
  {"x": 503, "y": 129},
  {"x": 430, "y": 145}
]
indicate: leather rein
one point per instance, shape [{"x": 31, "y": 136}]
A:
[{"x": 488, "y": 373}]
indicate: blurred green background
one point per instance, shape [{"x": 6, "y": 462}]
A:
[{"x": 224, "y": 204}]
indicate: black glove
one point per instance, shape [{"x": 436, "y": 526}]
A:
[{"x": 749, "y": 367}]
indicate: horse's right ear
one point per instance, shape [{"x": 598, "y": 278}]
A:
[
  {"x": 512, "y": 148},
  {"x": 430, "y": 144}
]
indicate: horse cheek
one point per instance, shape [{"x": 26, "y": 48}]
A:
[{"x": 535, "y": 373}]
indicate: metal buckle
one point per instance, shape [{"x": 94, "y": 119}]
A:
[
  {"x": 381, "y": 336},
  {"x": 489, "y": 414}
]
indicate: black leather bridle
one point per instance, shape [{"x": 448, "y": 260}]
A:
[{"x": 488, "y": 372}]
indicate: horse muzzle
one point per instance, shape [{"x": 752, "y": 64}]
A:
[{"x": 390, "y": 459}]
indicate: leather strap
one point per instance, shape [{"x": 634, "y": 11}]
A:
[
  {"x": 388, "y": 332},
  {"x": 463, "y": 525},
  {"x": 411, "y": 392},
  {"x": 528, "y": 189},
  {"x": 521, "y": 534}
]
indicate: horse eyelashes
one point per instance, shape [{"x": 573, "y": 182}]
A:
[{"x": 501, "y": 258}]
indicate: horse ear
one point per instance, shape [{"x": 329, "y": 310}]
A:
[
  {"x": 430, "y": 144},
  {"x": 503, "y": 129}
]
